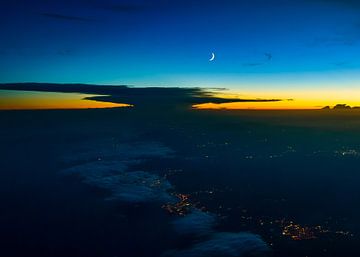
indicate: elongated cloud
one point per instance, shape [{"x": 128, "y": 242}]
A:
[
  {"x": 108, "y": 168},
  {"x": 123, "y": 185},
  {"x": 225, "y": 245},
  {"x": 197, "y": 223},
  {"x": 107, "y": 165}
]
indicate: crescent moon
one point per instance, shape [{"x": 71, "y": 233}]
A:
[{"x": 212, "y": 57}]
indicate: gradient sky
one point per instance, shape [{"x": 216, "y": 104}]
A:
[{"x": 263, "y": 48}]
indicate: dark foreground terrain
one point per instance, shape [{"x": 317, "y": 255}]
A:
[{"x": 179, "y": 182}]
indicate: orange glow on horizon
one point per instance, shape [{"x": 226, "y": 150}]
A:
[
  {"x": 252, "y": 106},
  {"x": 21, "y": 100},
  {"x": 311, "y": 99}
]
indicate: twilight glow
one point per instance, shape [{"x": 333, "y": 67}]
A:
[
  {"x": 303, "y": 50},
  {"x": 20, "y": 100}
]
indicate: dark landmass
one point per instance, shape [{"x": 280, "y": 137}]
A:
[{"x": 155, "y": 181}]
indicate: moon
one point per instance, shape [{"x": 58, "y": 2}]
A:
[{"x": 212, "y": 57}]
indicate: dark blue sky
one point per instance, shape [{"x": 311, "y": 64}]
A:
[{"x": 259, "y": 45}]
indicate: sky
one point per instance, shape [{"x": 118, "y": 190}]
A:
[
  {"x": 28, "y": 100},
  {"x": 302, "y": 49}
]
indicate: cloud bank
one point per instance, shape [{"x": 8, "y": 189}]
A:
[
  {"x": 225, "y": 245},
  {"x": 197, "y": 223},
  {"x": 107, "y": 165},
  {"x": 108, "y": 168},
  {"x": 124, "y": 186}
]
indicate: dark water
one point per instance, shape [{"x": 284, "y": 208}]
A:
[{"x": 256, "y": 172}]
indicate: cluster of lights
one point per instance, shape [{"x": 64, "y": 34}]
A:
[
  {"x": 350, "y": 152},
  {"x": 298, "y": 232},
  {"x": 294, "y": 230},
  {"x": 290, "y": 229},
  {"x": 181, "y": 208}
]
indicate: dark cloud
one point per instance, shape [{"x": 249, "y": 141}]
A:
[
  {"x": 107, "y": 167},
  {"x": 123, "y": 185},
  {"x": 225, "y": 245},
  {"x": 197, "y": 223},
  {"x": 149, "y": 98},
  {"x": 341, "y": 107},
  {"x": 65, "y": 17},
  {"x": 268, "y": 56}
]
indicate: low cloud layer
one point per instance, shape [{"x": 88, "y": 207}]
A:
[
  {"x": 225, "y": 245},
  {"x": 124, "y": 185},
  {"x": 197, "y": 223},
  {"x": 108, "y": 168}
]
